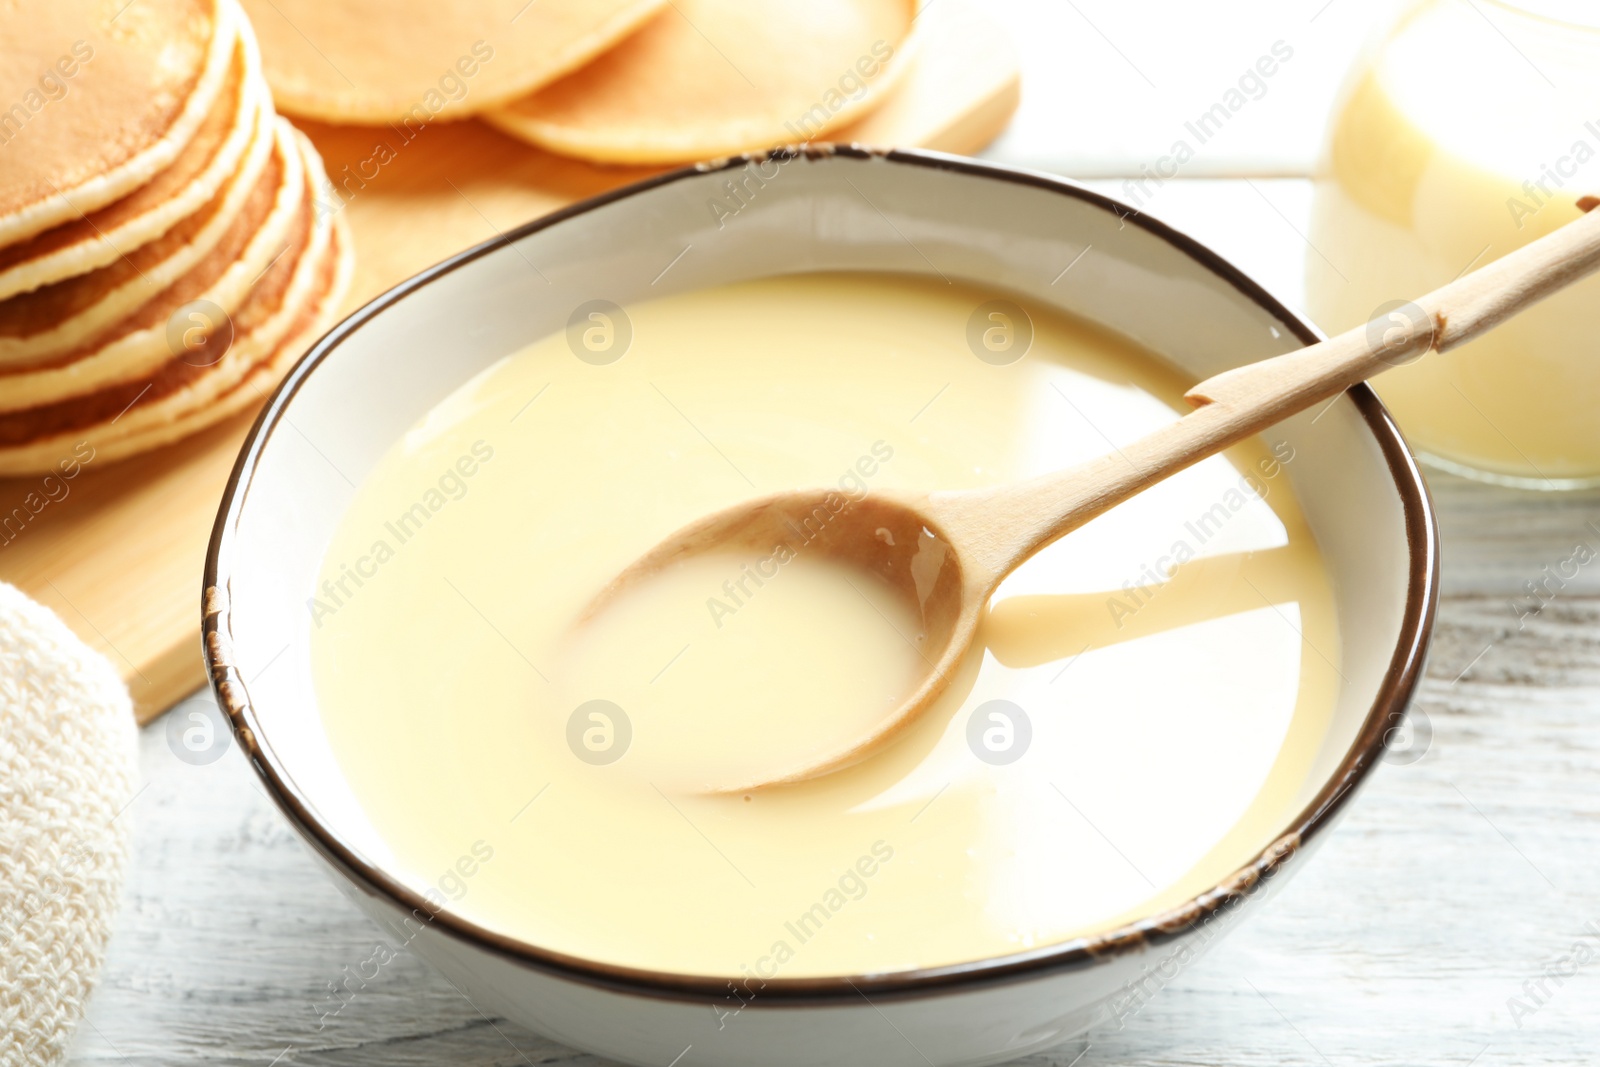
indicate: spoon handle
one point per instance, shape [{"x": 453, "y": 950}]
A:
[
  {"x": 1007, "y": 524},
  {"x": 1445, "y": 318}
]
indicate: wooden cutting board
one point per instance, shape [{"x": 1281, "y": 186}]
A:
[{"x": 118, "y": 556}]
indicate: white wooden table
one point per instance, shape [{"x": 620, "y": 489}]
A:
[{"x": 1454, "y": 881}]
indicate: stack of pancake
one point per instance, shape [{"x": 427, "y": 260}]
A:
[
  {"x": 612, "y": 81},
  {"x": 163, "y": 254}
]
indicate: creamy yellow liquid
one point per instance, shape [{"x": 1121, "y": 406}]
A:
[
  {"x": 1173, "y": 715},
  {"x": 1425, "y": 179}
]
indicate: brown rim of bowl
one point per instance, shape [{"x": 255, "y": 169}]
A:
[{"x": 1388, "y": 709}]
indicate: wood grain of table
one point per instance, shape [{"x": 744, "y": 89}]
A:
[{"x": 1453, "y": 881}]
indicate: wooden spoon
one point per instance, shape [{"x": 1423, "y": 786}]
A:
[{"x": 946, "y": 552}]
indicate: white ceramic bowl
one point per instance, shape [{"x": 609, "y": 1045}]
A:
[{"x": 821, "y": 209}]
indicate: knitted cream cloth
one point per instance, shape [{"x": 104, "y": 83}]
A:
[{"x": 68, "y": 764}]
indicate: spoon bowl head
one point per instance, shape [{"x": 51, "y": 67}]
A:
[{"x": 884, "y": 538}]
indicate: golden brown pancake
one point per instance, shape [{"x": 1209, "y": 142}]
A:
[
  {"x": 710, "y": 78},
  {"x": 181, "y": 370},
  {"x": 218, "y": 360},
  {"x": 262, "y": 377},
  {"x": 74, "y": 312},
  {"x": 139, "y": 344},
  {"x": 101, "y": 237},
  {"x": 420, "y": 61},
  {"x": 99, "y": 98},
  {"x": 292, "y": 305}
]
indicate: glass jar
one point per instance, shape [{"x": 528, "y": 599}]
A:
[{"x": 1469, "y": 130}]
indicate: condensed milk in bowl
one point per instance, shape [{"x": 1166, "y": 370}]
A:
[{"x": 1162, "y": 712}]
